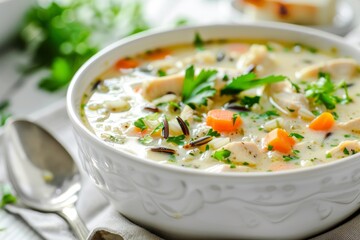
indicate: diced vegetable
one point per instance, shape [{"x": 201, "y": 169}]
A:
[
  {"x": 279, "y": 140},
  {"x": 126, "y": 63},
  {"x": 324, "y": 122},
  {"x": 223, "y": 120},
  {"x": 157, "y": 54}
]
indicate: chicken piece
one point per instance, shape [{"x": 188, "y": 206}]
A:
[
  {"x": 339, "y": 69},
  {"x": 352, "y": 125},
  {"x": 351, "y": 147},
  {"x": 257, "y": 56},
  {"x": 158, "y": 87},
  {"x": 283, "y": 97},
  {"x": 245, "y": 152},
  {"x": 187, "y": 114}
]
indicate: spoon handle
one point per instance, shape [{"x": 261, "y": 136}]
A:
[{"x": 78, "y": 227}]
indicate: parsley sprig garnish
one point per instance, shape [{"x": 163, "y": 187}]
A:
[
  {"x": 323, "y": 91},
  {"x": 197, "y": 89},
  {"x": 221, "y": 155},
  {"x": 248, "y": 81}
]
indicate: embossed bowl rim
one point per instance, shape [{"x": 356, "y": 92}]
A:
[{"x": 317, "y": 37}]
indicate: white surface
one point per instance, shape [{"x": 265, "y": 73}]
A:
[{"x": 167, "y": 199}]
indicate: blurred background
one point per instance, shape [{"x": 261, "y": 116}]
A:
[{"x": 43, "y": 43}]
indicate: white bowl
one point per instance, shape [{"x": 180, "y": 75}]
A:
[
  {"x": 12, "y": 12},
  {"x": 187, "y": 203}
]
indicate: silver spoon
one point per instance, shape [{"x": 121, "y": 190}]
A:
[{"x": 42, "y": 172}]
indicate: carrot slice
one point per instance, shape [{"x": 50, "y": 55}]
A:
[
  {"x": 223, "y": 120},
  {"x": 126, "y": 63},
  {"x": 158, "y": 54},
  {"x": 324, "y": 122},
  {"x": 279, "y": 140}
]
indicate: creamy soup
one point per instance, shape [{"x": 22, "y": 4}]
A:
[{"x": 229, "y": 106}]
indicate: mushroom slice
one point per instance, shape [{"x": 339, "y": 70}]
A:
[
  {"x": 340, "y": 68},
  {"x": 244, "y": 152},
  {"x": 344, "y": 149},
  {"x": 258, "y": 56},
  {"x": 352, "y": 125},
  {"x": 161, "y": 86}
]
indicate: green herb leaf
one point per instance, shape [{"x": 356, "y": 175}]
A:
[
  {"x": 146, "y": 139},
  {"x": 268, "y": 114},
  {"x": 61, "y": 40},
  {"x": 4, "y": 114},
  {"x": 213, "y": 133},
  {"x": 178, "y": 140},
  {"x": 221, "y": 155},
  {"x": 295, "y": 86},
  {"x": 270, "y": 147},
  {"x": 140, "y": 124},
  {"x": 161, "y": 73},
  {"x": 234, "y": 117},
  {"x": 296, "y": 135},
  {"x": 248, "y": 81},
  {"x": 346, "y": 151},
  {"x": 248, "y": 102},
  {"x": 198, "y": 42},
  {"x": 322, "y": 91},
  {"x": 290, "y": 158},
  {"x": 196, "y": 90},
  {"x": 7, "y": 198}
]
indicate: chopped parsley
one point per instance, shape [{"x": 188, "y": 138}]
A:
[
  {"x": 268, "y": 114},
  {"x": 270, "y": 147},
  {"x": 288, "y": 158},
  {"x": 161, "y": 73},
  {"x": 178, "y": 140},
  {"x": 146, "y": 139},
  {"x": 296, "y": 135},
  {"x": 140, "y": 124},
  {"x": 197, "y": 90},
  {"x": 213, "y": 133},
  {"x": 221, "y": 155},
  {"x": 328, "y": 155},
  {"x": 198, "y": 42},
  {"x": 323, "y": 91},
  {"x": 248, "y": 102},
  {"x": 248, "y": 81},
  {"x": 295, "y": 86},
  {"x": 346, "y": 151}
]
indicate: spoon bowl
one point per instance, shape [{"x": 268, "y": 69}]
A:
[{"x": 42, "y": 173}]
